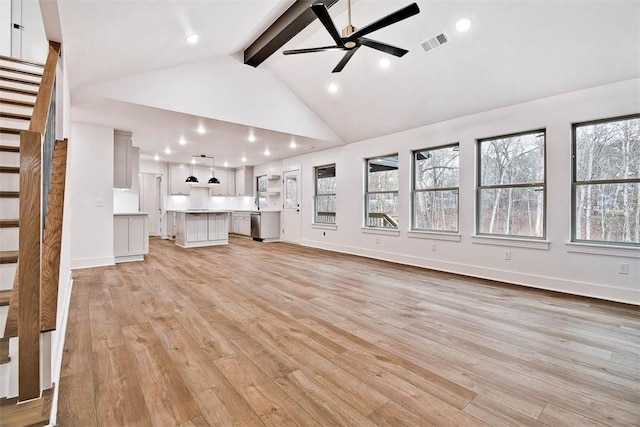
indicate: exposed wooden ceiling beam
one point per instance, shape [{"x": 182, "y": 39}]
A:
[{"x": 290, "y": 23}]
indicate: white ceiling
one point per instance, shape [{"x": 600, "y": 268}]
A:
[{"x": 130, "y": 67}]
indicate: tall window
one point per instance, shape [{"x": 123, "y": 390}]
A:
[
  {"x": 261, "y": 191},
  {"x": 381, "y": 197},
  {"x": 606, "y": 181},
  {"x": 325, "y": 197},
  {"x": 435, "y": 188},
  {"x": 511, "y": 185}
]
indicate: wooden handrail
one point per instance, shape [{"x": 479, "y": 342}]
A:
[{"x": 43, "y": 100}]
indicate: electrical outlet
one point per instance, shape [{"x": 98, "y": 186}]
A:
[
  {"x": 99, "y": 203},
  {"x": 433, "y": 246},
  {"x": 506, "y": 255},
  {"x": 623, "y": 268},
  {"x": 377, "y": 240}
]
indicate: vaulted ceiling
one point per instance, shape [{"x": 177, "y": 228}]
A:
[{"x": 130, "y": 67}]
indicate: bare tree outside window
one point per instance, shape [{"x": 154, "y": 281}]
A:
[
  {"x": 325, "y": 197},
  {"x": 435, "y": 188},
  {"x": 381, "y": 197},
  {"x": 261, "y": 191},
  {"x": 606, "y": 181},
  {"x": 511, "y": 185}
]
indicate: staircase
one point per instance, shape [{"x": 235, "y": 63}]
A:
[
  {"x": 29, "y": 256},
  {"x": 19, "y": 83}
]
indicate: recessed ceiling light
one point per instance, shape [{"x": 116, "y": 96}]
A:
[
  {"x": 293, "y": 144},
  {"x": 193, "y": 39},
  {"x": 267, "y": 152},
  {"x": 156, "y": 158},
  {"x": 182, "y": 141},
  {"x": 385, "y": 63},
  {"x": 244, "y": 159},
  {"x": 226, "y": 164},
  {"x": 200, "y": 130},
  {"x": 333, "y": 88},
  {"x": 252, "y": 138},
  {"x": 463, "y": 25},
  {"x": 167, "y": 150}
]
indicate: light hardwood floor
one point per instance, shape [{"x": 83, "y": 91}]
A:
[{"x": 276, "y": 334}]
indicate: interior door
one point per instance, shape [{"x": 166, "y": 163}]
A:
[
  {"x": 291, "y": 218},
  {"x": 28, "y": 38}
]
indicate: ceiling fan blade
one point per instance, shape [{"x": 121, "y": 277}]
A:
[
  {"x": 311, "y": 50},
  {"x": 347, "y": 56},
  {"x": 386, "y": 48},
  {"x": 323, "y": 15},
  {"x": 392, "y": 18}
]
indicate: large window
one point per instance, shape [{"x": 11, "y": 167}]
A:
[
  {"x": 261, "y": 191},
  {"x": 606, "y": 181},
  {"x": 511, "y": 185},
  {"x": 435, "y": 188},
  {"x": 381, "y": 197},
  {"x": 325, "y": 197}
]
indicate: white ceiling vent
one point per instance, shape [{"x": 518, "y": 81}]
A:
[{"x": 435, "y": 42}]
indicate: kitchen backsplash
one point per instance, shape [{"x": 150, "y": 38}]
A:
[{"x": 199, "y": 199}]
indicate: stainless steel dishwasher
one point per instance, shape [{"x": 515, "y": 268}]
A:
[{"x": 255, "y": 225}]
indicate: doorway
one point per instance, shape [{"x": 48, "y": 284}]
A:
[
  {"x": 291, "y": 218},
  {"x": 151, "y": 201}
]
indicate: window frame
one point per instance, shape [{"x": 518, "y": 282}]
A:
[
  {"x": 435, "y": 189},
  {"x": 316, "y": 194},
  {"x": 367, "y": 192},
  {"x": 480, "y": 187},
  {"x": 261, "y": 194},
  {"x": 575, "y": 183}
]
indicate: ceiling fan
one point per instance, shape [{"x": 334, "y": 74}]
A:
[{"x": 351, "y": 38}]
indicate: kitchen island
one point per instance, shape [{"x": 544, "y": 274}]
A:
[{"x": 201, "y": 227}]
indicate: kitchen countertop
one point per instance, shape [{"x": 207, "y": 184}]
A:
[
  {"x": 198, "y": 211},
  {"x": 129, "y": 213},
  {"x": 256, "y": 210}
]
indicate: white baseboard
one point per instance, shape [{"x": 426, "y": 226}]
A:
[
  {"x": 91, "y": 262},
  {"x": 592, "y": 290}
]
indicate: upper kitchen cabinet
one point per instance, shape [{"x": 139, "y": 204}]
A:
[
  {"x": 178, "y": 174},
  {"x": 124, "y": 156},
  {"x": 244, "y": 181}
]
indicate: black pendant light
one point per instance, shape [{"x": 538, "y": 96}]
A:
[
  {"x": 191, "y": 179},
  {"x": 213, "y": 180}
]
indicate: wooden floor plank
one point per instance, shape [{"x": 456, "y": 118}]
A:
[
  {"x": 358, "y": 342},
  {"x": 77, "y": 400}
]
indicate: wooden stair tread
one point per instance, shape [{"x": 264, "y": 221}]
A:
[
  {"x": 20, "y": 81},
  {"x": 5, "y": 297},
  {"x": 17, "y": 102},
  {"x": 15, "y": 116},
  {"x": 32, "y": 413},
  {"x": 9, "y": 194},
  {"x": 8, "y": 257},
  {"x": 21, "y": 61},
  {"x": 18, "y": 71},
  {"x": 10, "y": 131},
  {"x": 9, "y": 148},
  {"x": 9, "y": 169},
  {"x": 18, "y": 90},
  {"x": 9, "y": 223}
]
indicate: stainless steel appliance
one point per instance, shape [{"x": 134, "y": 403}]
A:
[{"x": 255, "y": 225}]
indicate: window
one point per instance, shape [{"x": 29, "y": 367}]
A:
[
  {"x": 606, "y": 181},
  {"x": 511, "y": 185},
  {"x": 381, "y": 197},
  {"x": 435, "y": 188},
  {"x": 325, "y": 197},
  {"x": 261, "y": 191}
]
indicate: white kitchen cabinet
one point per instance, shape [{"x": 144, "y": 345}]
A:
[
  {"x": 130, "y": 237},
  {"x": 202, "y": 228},
  {"x": 244, "y": 181},
  {"x": 178, "y": 174},
  {"x": 220, "y": 189},
  {"x": 197, "y": 228},
  {"x": 241, "y": 223},
  {"x": 123, "y": 158},
  {"x": 218, "y": 226}
]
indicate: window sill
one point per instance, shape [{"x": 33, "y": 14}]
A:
[
  {"x": 381, "y": 231},
  {"x": 513, "y": 242},
  {"x": 324, "y": 226},
  {"x": 434, "y": 235},
  {"x": 604, "y": 250}
]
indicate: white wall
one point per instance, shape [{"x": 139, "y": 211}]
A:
[
  {"x": 554, "y": 264},
  {"x": 90, "y": 183},
  {"x": 127, "y": 200}
]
